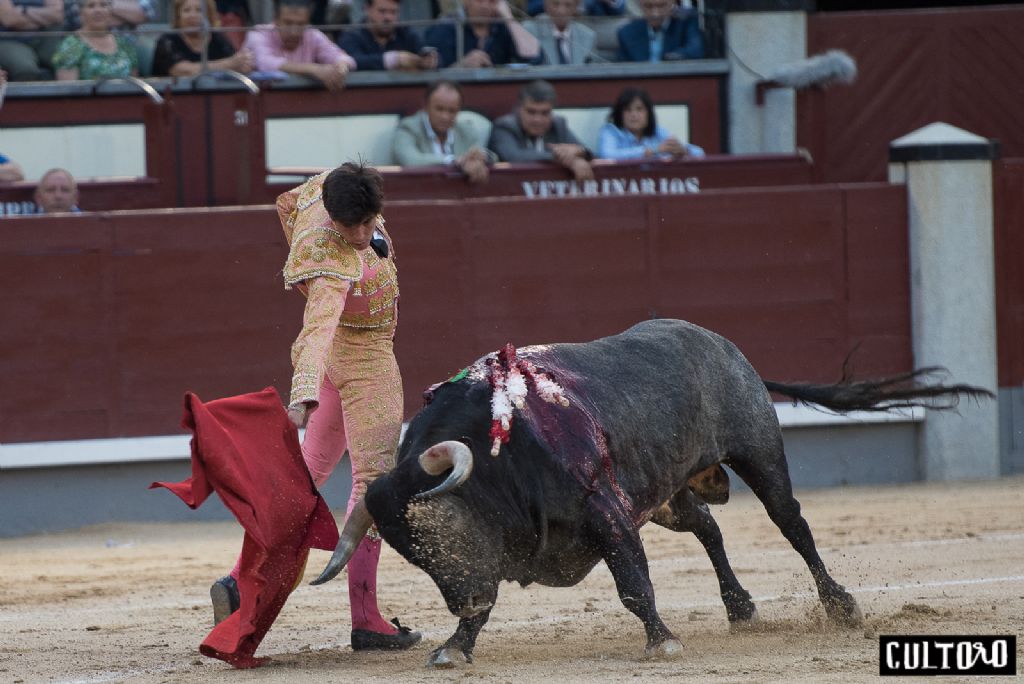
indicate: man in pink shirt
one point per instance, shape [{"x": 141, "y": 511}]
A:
[{"x": 291, "y": 45}]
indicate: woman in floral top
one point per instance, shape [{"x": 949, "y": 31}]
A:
[{"x": 94, "y": 51}]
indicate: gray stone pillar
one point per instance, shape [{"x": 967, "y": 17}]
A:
[
  {"x": 948, "y": 174},
  {"x": 761, "y": 35}
]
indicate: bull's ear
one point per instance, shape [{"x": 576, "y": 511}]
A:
[{"x": 439, "y": 458}]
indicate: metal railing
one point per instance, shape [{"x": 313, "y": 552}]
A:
[{"x": 712, "y": 23}]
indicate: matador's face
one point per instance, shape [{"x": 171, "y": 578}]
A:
[{"x": 358, "y": 234}]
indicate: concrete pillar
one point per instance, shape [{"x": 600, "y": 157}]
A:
[
  {"x": 761, "y": 35},
  {"x": 948, "y": 174}
]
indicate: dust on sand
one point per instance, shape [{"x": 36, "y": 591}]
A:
[{"x": 129, "y": 603}]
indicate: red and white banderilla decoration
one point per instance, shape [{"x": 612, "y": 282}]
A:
[{"x": 510, "y": 378}]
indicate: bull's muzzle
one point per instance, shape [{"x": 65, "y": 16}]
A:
[
  {"x": 441, "y": 457},
  {"x": 359, "y": 521}
]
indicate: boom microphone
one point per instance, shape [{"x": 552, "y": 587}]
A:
[{"x": 834, "y": 66}]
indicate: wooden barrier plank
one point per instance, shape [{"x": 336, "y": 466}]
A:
[
  {"x": 57, "y": 337},
  {"x": 200, "y": 298},
  {"x": 878, "y": 278},
  {"x": 148, "y": 304},
  {"x": 1008, "y": 187},
  {"x": 915, "y": 67},
  {"x": 436, "y": 330},
  {"x": 541, "y": 180},
  {"x": 762, "y": 272}
]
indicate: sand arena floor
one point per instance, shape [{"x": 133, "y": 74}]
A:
[{"x": 129, "y": 603}]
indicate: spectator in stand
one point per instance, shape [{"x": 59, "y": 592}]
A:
[
  {"x": 533, "y": 133},
  {"x": 665, "y": 33},
  {"x": 592, "y": 8},
  {"x": 490, "y": 36},
  {"x": 30, "y": 59},
  {"x": 381, "y": 44},
  {"x": 632, "y": 132},
  {"x": 125, "y": 15},
  {"x": 57, "y": 193},
  {"x": 234, "y": 14},
  {"x": 562, "y": 41},
  {"x": 180, "y": 54},
  {"x": 434, "y": 135},
  {"x": 94, "y": 51},
  {"x": 291, "y": 45},
  {"x": 604, "y": 8},
  {"x": 10, "y": 171}
]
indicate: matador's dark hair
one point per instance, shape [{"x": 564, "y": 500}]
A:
[{"x": 353, "y": 193}]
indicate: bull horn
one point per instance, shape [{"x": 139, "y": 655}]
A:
[
  {"x": 359, "y": 521},
  {"x": 441, "y": 457}
]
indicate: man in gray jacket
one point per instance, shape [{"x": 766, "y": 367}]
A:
[
  {"x": 533, "y": 133},
  {"x": 562, "y": 40},
  {"x": 435, "y": 135}
]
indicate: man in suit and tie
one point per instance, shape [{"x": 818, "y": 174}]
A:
[
  {"x": 435, "y": 135},
  {"x": 665, "y": 33},
  {"x": 562, "y": 40},
  {"x": 533, "y": 133}
]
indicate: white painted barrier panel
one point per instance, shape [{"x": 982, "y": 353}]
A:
[
  {"x": 86, "y": 151},
  {"x": 174, "y": 447}
]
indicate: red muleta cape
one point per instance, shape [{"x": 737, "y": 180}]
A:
[{"x": 245, "y": 449}]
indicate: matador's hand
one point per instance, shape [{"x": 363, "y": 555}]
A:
[{"x": 298, "y": 415}]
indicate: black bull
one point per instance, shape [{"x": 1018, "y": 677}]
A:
[{"x": 648, "y": 410}]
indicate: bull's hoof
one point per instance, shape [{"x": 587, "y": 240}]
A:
[
  {"x": 446, "y": 658},
  {"x": 669, "y": 648},
  {"x": 843, "y": 610},
  {"x": 744, "y": 624}
]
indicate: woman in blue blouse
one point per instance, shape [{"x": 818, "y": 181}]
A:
[{"x": 632, "y": 132}]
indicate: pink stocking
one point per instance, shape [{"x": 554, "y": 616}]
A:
[{"x": 362, "y": 588}]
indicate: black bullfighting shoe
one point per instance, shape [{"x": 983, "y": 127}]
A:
[
  {"x": 365, "y": 640},
  {"x": 224, "y": 595}
]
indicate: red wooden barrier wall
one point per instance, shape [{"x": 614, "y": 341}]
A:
[
  {"x": 960, "y": 66},
  {"x": 111, "y": 317},
  {"x": 1008, "y": 182},
  {"x": 440, "y": 182}
]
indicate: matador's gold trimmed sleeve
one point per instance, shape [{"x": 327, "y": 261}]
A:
[
  {"x": 286, "y": 202},
  {"x": 312, "y": 346}
]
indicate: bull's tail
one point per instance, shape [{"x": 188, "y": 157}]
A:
[{"x": 923, "y": 388}]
